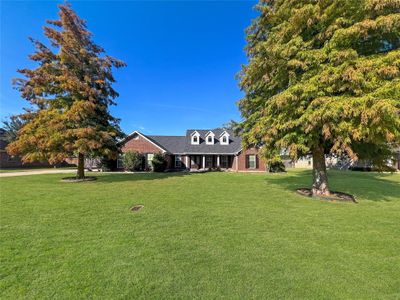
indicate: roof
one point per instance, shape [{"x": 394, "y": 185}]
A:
[
  {"x": 235, "y": 142},
  {"x": 182, "y": 144},
  {"x": 172, "y": 144}
]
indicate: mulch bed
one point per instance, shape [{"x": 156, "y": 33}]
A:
[
  {"x": 334, "y": 196},
  {"x": 74, "y": 179},
  {"x": 136, "y": 208}
]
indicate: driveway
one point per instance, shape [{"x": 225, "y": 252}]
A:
[{"x": 37, "y": 172}]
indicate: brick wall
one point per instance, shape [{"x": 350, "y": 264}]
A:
[
  {"x": 140, "y": 144},
  {"x": 242, "y": 164}
]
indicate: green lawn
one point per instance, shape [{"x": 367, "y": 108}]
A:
[{"x": 213, "y": 235}]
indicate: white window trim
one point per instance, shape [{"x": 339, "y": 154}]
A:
[
  {"x": 178, "y": 158},
  {"x": 221, "y": 137},
  {"x": 255, "y": 161},
  {"x": 193, "y": 135},
  {"x": 208, "y": 135}
]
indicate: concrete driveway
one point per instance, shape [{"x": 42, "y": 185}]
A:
[{"x": 37, "y": 172}]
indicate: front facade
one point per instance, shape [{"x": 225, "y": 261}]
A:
[{"x": 197, "y": 150}]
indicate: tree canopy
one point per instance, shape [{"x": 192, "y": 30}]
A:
[
  {"x": 323, "y": 77},
  {"x": 69, "y": 95}
]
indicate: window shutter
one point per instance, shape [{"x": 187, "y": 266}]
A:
[
  {"x": 256, "y": 161},
  {"x": 247, "y": 161}
]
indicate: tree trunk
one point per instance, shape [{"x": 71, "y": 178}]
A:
[
  {"x": 320, "y": 177},
  {"x": 81, "y": 167}
]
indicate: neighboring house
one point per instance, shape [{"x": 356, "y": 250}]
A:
[
  {"x": 10, "y": 161},
  {"x": 197, "y": 150}
]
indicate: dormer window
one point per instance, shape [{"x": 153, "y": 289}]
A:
[
  {"x": 210, "y": 138},
  {"x": 224, "y": 138},
  {"x": 195, "y": 138}
]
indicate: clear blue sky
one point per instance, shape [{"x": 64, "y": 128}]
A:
[{"x": 182, "y": 57}]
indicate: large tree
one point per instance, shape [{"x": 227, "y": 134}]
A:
[
  {"x": 70, "y": 92},
  {"x": 323, "y": 77}
]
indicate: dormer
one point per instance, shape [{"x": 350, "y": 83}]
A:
[
  {"x": 210, "y": 138},
  {"x": 195, "y": 138},
  {"x": 224, "y": 138}
]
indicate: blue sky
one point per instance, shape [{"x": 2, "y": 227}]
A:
[{"x": 182, "y": 57}]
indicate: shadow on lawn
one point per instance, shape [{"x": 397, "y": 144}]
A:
[
  {"x": 118, "y": 177},
  {"x": 370, "y": 186}
]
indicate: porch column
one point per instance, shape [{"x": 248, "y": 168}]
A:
[
  {"x": 218, "y": 160},
  {"x": 204, "y": 162},
  {"x": 187, "y": 162},
  {"x": 236, "y": 158}
]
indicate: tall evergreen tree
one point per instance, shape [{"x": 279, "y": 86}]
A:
[
  {"x": 323, "y": 77},
  {"x": 70, "y": 93}
]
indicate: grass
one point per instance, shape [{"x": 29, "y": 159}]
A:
[{"x": 213, "y": 235}]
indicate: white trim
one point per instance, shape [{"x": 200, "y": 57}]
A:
[
  {"x": 222, "y": 135},
  {"x": 212, "y": 135},
  {"x": 193, "y": 135},
  {"x": 146, "y": 138},
  {"x": 224, "y": 132},
  {"x": 178, "y": 158}
]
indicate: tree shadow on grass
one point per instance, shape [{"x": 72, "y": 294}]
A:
[
  {"x": 126, "y": 177},
  {"x": 370, "y": 186}
]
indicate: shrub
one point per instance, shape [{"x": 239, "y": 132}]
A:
[
  {"x": 159, "y": 162},
  {"x": 276, "y": 166},
  {"x": 133, "y": 161}
]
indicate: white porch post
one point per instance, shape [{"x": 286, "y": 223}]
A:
[
  {"x": 187, "y": 162},
  {"x": 218, "y": 160},
  {"x": 236, "y": 162},
  {"x": 204, "y": 161}
]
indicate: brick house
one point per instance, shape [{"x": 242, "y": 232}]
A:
[
  {"x": 197, "y": 150},
  {"x": 9, "y": 161}
]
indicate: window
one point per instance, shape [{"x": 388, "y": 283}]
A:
[
  {"x": 120, "y": 161},
  {"x": 224, "y": 161},
  {"x": 224, "y": 138},
  {"x": 251, "y": 162},
  {"x": 210, "y": 138},
  {"x": 195, "y": 138},
  {"x": 149, "y": 160},
  {"x": 209, "y": 161},
  {"x": 178, "y": 161}
]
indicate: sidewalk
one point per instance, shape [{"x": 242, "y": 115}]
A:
[{"x": 37, "y": 172}]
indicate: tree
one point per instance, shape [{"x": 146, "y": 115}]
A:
[
  {"x": 132, "y": 160},
  {"x": 159, "y": 162},
  {"x": 70, "y": 93},
  {"x": 323, "y": 77},
  {"x": 11, "y": 126}
]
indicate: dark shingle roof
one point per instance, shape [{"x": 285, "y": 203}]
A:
[
  {"x": 173, "y": 144},
  {"x": 182, "y": 144},
  {"x": 233, "y": 147}
]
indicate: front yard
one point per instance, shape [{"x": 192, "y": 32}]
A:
[{"x": 213, "y": 235}]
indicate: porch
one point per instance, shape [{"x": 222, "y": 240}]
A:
[{"x": 203, "y": 162}]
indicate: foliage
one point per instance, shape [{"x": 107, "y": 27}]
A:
[
  {"x": 11, "y": 126},
  {"x": 70, "y": 93},
  {"x": 133, "y": 160},
  {"x": 159, "y": 162},
  {"x": 276, "y": 165},
  {"x": 238, "y": 229},
  {"x": 323, "y": 77}
]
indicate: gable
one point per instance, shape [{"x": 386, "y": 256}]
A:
[{"x": 139, "y": 142}]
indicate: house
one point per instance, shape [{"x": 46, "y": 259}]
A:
[
  {"x": 11, "y": 161},
  {"x": 199, "y": 149}
]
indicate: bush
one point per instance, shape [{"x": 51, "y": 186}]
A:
[
  {"x": 276, "y": 166},
  {"x": 132, "y": 161},
  {"x": 159, "y": 162}
]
